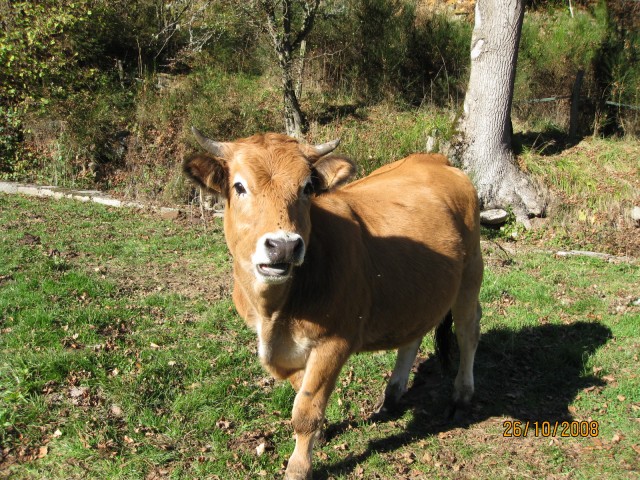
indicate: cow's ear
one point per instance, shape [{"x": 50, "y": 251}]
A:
[
  {"x": 208, "y": 172},
  {"x": 332, "y": 172}
]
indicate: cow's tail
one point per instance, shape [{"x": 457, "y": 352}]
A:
[{"x": 444, "y": 341}]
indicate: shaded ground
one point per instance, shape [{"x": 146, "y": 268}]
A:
[{"x": 514, "y": 383}]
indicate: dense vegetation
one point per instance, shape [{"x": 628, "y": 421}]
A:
[{"x": 102, "y": 93}]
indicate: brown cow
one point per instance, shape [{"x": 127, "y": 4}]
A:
[{"x": 323, "y": 272}]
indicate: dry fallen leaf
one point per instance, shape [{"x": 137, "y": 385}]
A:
[
  {"x": 223, "y": 424},
  {"x": 43, "y": 451},
  {"x": 617, "y": 438},
  {"x": 409, "y": 457},
  {"x": 76, "y": 392},
  {"x": 427, "y": 458}
]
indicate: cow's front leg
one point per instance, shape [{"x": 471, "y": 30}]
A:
[
  {"x": 296, "y": 380},
  {"x": 320, "y": 375}
]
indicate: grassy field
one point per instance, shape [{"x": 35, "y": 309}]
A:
[{"x": 121, "y": 356}]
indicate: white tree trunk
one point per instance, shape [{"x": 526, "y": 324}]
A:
[{"x": 485, "y": 147}]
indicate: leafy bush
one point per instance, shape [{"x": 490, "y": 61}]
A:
[
  {"x": 357, "y": 47},
  {"x": 553, "y": 48},
  {"x": 10, "y": 139},
  {"x": 37, "y": 54},
  {"x": 436, "y": 67},
  {"x": 103, "y": 92},
  {"x": 371, "y": 50},
  {"x": 37, "y": 60},
  {"x": 604, "y": 42},
  {"x": 83, "y": 62},
  {"x": 618, "y": 70}
]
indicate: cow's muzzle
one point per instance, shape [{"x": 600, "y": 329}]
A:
[{"x": 276, "y": 254}]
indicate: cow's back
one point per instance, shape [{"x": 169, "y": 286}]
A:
[
  {"x": 420, "y": 197},
  {"x": 418, "y": 220}
]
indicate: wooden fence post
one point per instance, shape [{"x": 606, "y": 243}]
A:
[{"x": 575, "y": 106}]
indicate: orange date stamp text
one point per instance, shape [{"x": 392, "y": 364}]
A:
[{"x": 568, "y": 429}]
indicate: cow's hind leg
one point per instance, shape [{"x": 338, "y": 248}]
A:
[
  {"x": 466, "y": 318},
  {"x": 468, "y": 335},
  {"x": 397, "y": 385}
]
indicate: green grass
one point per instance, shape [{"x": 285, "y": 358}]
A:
[
  {"x": 121, "y": 356},
  {"x": 377, "y": 135},
  {"x": 595, "y": 185}
]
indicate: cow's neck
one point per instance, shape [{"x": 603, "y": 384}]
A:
[{"x": 266, "y": 301}]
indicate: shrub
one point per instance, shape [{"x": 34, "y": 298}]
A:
[
  {"x": 553, "y": 48},
  {"x": 10, "y": 141},
  {"x": 618, "y": 69},
  {"x": 436, "y": 67},
  {"x": 36, "y": 61},
  {"x": 224, "y": 106}
]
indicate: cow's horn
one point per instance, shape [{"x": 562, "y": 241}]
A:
[
  {"x": 209, "y": 145},
  {"x": 325, "y": 148}
]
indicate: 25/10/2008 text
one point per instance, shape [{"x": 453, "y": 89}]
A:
[{"x": 517, "y": 428}]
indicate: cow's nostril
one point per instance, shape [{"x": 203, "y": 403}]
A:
[
  {"x": 298, "y": 248},
  {"x": 274, "y": 249},
  {"x": 271, "y": 243}
]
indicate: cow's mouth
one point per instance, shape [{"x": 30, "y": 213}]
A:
[{"x": 275, "y": 270}]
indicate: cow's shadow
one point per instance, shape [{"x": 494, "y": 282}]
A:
[{"x": 530, "y": 374}]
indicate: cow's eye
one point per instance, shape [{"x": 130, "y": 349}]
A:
[
  {"x": 239, "y": 188},
  {"x": 308, "y": 188}
]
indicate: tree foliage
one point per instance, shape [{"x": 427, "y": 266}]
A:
[
  {"x": 35, "y": 58},
  {"x": 88, "y": 70},
  {"x": 57, "y": 56}
]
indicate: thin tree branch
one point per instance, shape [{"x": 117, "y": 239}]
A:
[{"x": 310, "y": 11}]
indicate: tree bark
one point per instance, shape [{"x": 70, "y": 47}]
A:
[
  {"x": 484, "y": 147},
  {"x": 294, "y": 119},
  {"x": 280, "y": 20}
]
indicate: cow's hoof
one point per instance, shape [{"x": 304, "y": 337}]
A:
[
  {"x": 389, "y": 401},
  {"x": 297, "y": 475},
  {"x": 458, "y": 413},
  {"x": 297, "y": 471},
  {"x": 384, "y": 407}
]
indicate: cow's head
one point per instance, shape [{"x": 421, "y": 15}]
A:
[{"x": 268, "y": 182}]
